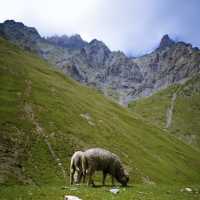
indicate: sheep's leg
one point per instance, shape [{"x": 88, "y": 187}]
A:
[
  {"x": 72, "y": 171},
  {"x": 90, "y": 180},
  {"x": 113, "y": 181},
  {"x": 104, "y": 178},
  {"x": 80, "y": 177},
  {"x": 83, "y": 177}
]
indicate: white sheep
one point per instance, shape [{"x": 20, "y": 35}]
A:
[
  {"x": 97, "y": 159},
  {"x": 76, "y": 166}
]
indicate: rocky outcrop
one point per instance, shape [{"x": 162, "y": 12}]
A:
[
  {"x": 115, "y": 74},
  {"x": 97, "y": 53},
  {"x": 20, "y": 34},
  {"x": 166, "y": 41},
  {"x": 163, "y": 67},
  {"x": 73, "y": 42}
]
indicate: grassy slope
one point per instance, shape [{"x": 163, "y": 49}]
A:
[
  {"x": 136, "y": 192},
  {"x": 186, "y": 114},
  {"x": 39, "y": 104}
]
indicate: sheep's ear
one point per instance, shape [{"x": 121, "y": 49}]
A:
[
  {"x": 125, "y": 172},
  {"x": 127, "y": 169}
]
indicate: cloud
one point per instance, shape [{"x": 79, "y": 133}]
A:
[{"x": 133, "y": 26}]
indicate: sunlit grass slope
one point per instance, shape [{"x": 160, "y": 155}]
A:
[
  {"x": 45, "y": 117},
  {"x": 185, "y": 123}
]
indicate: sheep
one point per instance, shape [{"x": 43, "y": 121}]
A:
[
  {"x": 97, "y": 159},
  {"x": 76, "y": 166}
]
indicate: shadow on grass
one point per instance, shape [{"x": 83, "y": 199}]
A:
[{"x": 103, "y": 186}]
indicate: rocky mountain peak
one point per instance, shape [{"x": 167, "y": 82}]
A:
[
  {"x": 97, "y": 52},
  {"x": 98, "y": 45},
  {"x": 166, "y": 41},
  {"x": 77, "y": 37},
  {"x": 13, "y": 22},
  {"x": 74, "y": 41},
  {"x": 17, "y": 31}
]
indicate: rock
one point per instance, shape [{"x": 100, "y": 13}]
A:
[
  {"x": 20, "y": 34},
  {"x": 167, "y": 66},
  {"x": 74, "y": 41},
  {"x": 91, "y": 123},
  {"x": 86, "y": 116},
  {"x": 188, "y": 189},
  {"x": 166, "y": 41},
  {"x": 97, "y": 53},
  {"x": 70, "y": 197},
  {"x": 114, "y": 190}
]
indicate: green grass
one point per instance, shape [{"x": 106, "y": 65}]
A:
[
  {"x": 136, "y": 192},
  {"x": 185, "y": 120},
  {"x": 39, "y": 104}
]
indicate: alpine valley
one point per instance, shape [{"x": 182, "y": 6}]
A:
[{"x": 61, "y": 94}]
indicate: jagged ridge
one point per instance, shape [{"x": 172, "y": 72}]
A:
[{"x": 116, "y": 75}]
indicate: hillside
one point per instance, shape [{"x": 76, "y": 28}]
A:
[
  {"x": 45, "y": 117},
  {"x": 176, "y": 109}
]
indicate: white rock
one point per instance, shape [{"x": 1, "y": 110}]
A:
[
  {"x": 188, "y": 189},
  {"x": 114, "y": 190},
  {"x": 70, "y": 197},
  {"x": 86, "y": 116}
]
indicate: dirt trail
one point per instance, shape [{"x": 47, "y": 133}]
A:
[
  {"x": 31, "y": 115},
  {"x": 169, "y": 113}
]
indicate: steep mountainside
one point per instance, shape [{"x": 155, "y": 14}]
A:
[
  {"x": 176, "y": 109},
  {"x": 173, "y": 63},
  {"x": 116, "y": 75},
  {"x": 45, "y": 117}
]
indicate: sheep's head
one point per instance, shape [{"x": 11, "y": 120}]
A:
[
  {"x": 77, "y": 177},
  {"x": 123, "y": 177}
]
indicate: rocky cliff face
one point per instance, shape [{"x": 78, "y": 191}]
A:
[
  {"x": 116, "y": 75},
  {"x": 73, "y": 42},
  {"x": 20, "y": 34},
  {"x": 170, "y": 64},
  {"x": 166, "y": 41}
]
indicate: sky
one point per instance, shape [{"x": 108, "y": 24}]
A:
[{"x": 132, "y": 26}]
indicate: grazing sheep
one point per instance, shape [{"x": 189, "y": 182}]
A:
[
  {"x": 76, "y": 166},
  {"x": 98, "y": 159}
]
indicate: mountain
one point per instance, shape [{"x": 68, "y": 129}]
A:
[
  {"x": 74, "y": 41},
  {"x": 166, "y": 66},
  {"x": 46, "y": 116},
  {"x": 166, "y": 41},
  {"x": 20, "y": 34},
  {"x": 176, "y": 109},
  {"x": 113, "y": 73}
]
